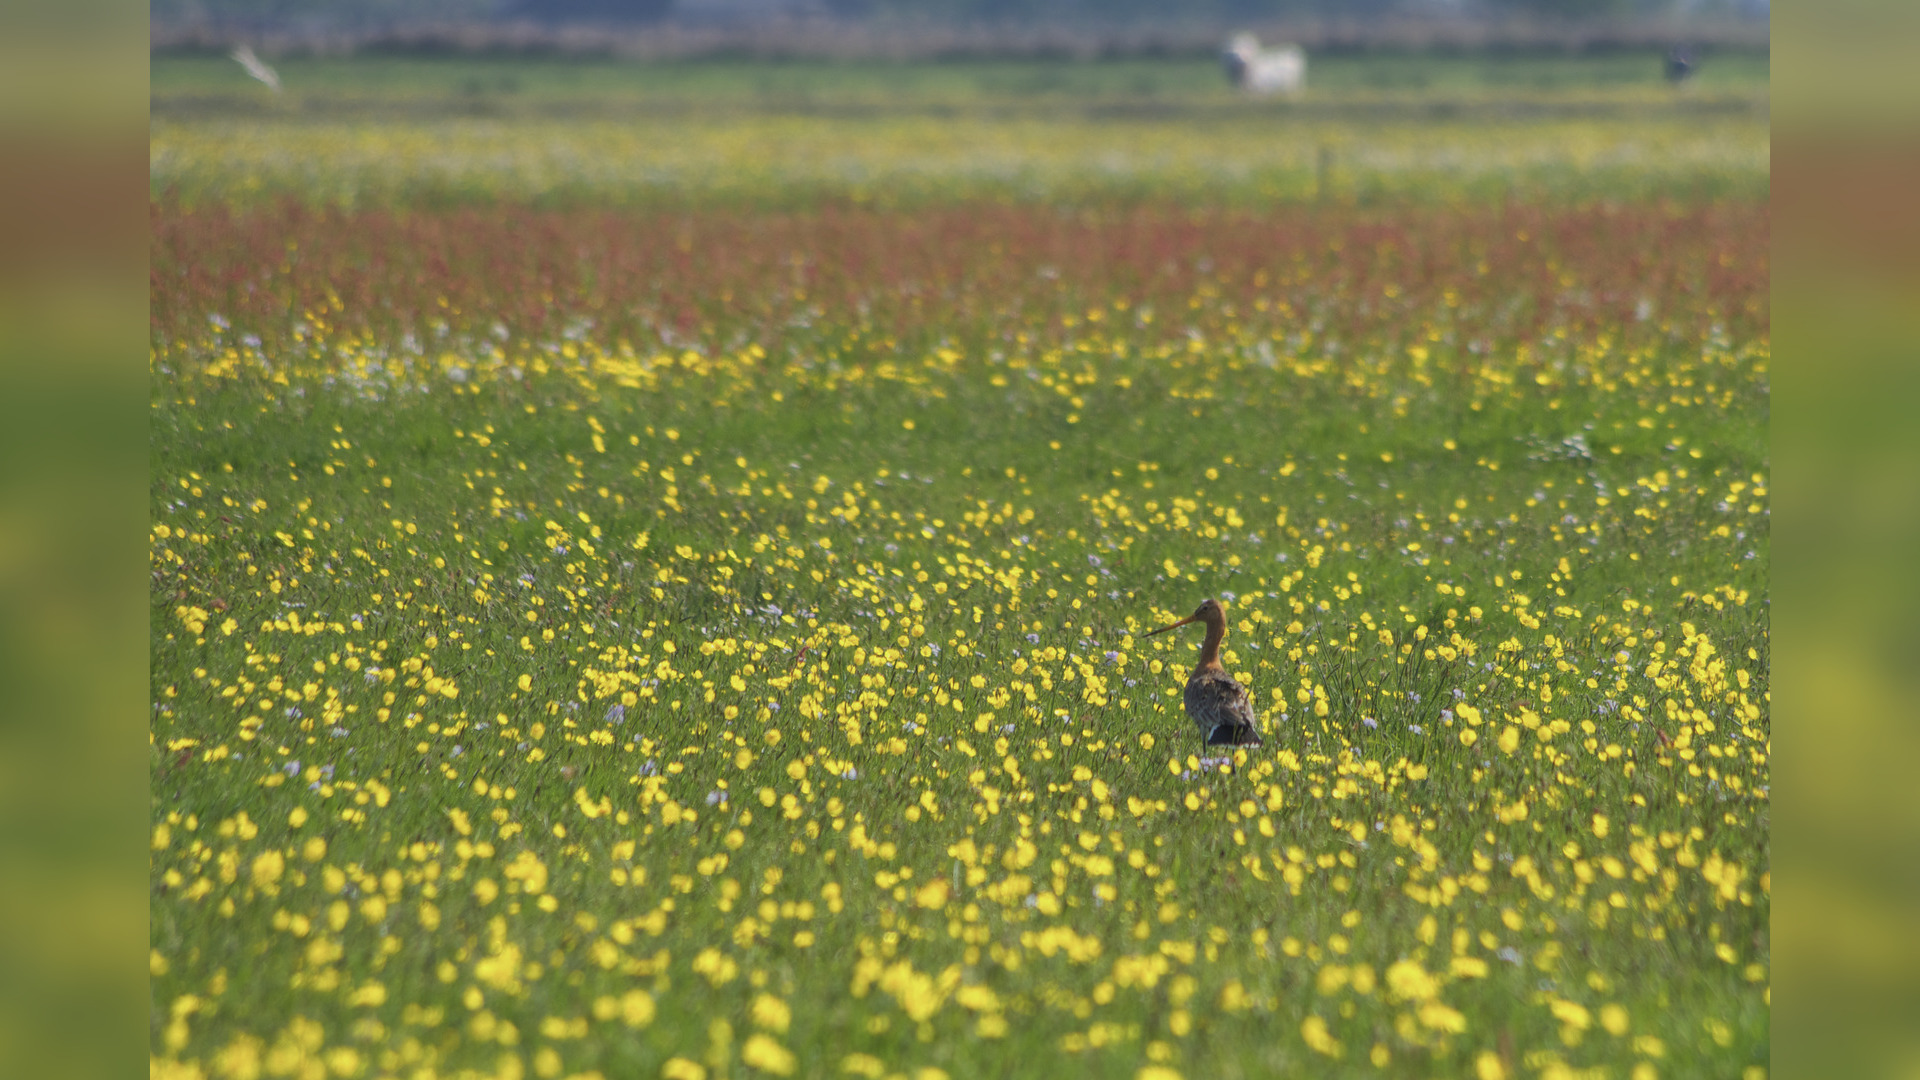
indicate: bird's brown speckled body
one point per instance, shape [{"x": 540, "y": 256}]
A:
[{"x": 1215, "y": 700}]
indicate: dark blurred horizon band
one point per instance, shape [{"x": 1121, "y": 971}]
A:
[{"x": 821, "y": 32}]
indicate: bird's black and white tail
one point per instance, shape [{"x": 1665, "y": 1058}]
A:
[{"x": 1234, "y": 735}]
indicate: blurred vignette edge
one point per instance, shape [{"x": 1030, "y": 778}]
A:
[
  {"x": 1846, "y": 299},
  {"x": 73, "y": 424}
]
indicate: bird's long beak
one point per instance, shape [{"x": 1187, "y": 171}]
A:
[{"x": 1171, "y": 626}]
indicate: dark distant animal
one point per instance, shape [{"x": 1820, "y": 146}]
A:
[
  {"x": 1679, "y": 64},
  {"x": 1215, "y": 700}
]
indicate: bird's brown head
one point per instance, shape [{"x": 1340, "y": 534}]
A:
[{"x": 1210, "y": 612}]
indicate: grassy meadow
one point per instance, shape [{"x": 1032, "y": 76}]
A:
[
  {"x": 631, "y": 602},
  {"x": 399, "y": 132}
]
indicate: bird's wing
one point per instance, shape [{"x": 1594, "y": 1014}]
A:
[{"x": 1214, "y": 698}]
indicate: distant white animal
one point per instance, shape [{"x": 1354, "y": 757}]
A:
[
  {"x": 257, "y": 67},
  {"x": 1279, "y": 70}
]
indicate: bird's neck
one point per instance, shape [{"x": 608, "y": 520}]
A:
[{"x": 1210, "y": 649}]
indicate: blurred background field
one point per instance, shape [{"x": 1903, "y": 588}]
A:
[{"x": 393, "y": 131}]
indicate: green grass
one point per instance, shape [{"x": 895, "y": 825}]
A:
[{"x": 188, "y": 85}]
